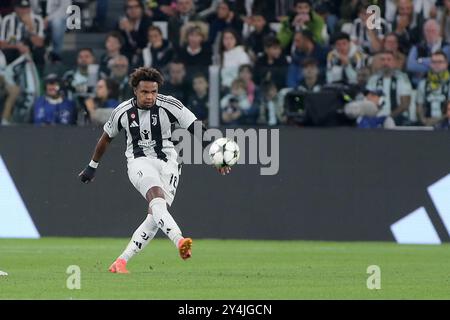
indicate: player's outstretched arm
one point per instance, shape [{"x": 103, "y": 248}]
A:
[{"x": 88, "y": 174}]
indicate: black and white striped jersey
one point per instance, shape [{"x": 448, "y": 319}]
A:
[
  {"x": 148, "y": 131},
  {"x": 12, "y": 29}
]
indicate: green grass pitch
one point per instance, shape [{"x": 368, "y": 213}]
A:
[{"x": 224, "y": 269}]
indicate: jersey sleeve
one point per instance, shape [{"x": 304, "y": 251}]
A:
[
  {"x": 183, "y": 115},
  {"x": 113, "y": 126}
]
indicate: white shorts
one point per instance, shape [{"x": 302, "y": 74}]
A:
[{"x": 145, "y": 173}]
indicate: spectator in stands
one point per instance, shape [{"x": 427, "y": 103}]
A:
[
  {"x": 261, "y": 30},
  {"x": 420, "y": 55},
  {"x": 158, "y": 52},
  {"x": 9, "y": 92},
  {"x": 23, "y": 73},
  {"x": 198, "y": 101},
  {"x": 311, "y": 76},
  {"x": 119, "y": 67},
  {"x": 271, "y": 112},
  {"x": 53, "y": 108},
  {"x": 113, "y": 44},
  {"x": 344, "y": 61},
  {"x": 101, "y": 12},
  {"x": 444, "y": 124},
  {"x": 304, "y": 17},
  {"x": 406, "y": 25},
  {"x": 396, "y": 89},
  {"x": 185, "y": 12},
  {"x": 23, "y": 28},
  {"x": 236, "y": 108},
  {"x": 304, "y": 48},
  {"x": 444, "y": 19},
  {"x": 433, "y": 92},
  {"x": 101, "y": 106},
  {"x": 391, "y": 43},
  {"x": 246, "y": 74},
  {"x": 366, "y": 111},
  {"x": 370, "y": 40},
  {"x": 224, "y": 19},
  {"x": 161, "y": 10},
  {"x": 272, "y": 65},
  {"x": 177, "y": 86},
  {"x": 80, "y": 82},
  {"x": 56, "y": 21},
  {"x": 134, "y": 26},
  {"x": 196, "y": 55},
  {"x": 233, "y": 55}
]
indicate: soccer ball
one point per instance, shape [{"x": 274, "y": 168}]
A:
[{"x": 224, "y": 152}]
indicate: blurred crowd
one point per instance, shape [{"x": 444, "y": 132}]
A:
[{"x": 281, "y": 62}]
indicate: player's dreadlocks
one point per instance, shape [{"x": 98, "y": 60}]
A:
[{"x": 146, "y": 74}]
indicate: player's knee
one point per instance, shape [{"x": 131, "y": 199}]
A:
[{"x": 153, "y": 193}]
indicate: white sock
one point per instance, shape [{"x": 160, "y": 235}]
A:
[
  {"x": 141, "y": 237},
  {"x": 164, "y": 220}
]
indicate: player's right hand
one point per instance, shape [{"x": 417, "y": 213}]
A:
[{"x": 87, "y": 175}]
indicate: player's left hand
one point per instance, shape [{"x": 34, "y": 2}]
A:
[
  {"x": 224, "y": 170},
  {"x": 87, "y": 175}
]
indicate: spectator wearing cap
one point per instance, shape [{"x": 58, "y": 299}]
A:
[
  {"x": 113, "y": 45},
  {"x": 185, "y": 12},
  {"x": 344, "y": 61},
  {"x": 419, "y": 57},
  {"x": 133, "y": 27},
  {"x": 224, "y": 19},
  {"x": 195, "y": 54},
  {"x": 444, "y": 124},
  {"x": 53, "y": 108},
  {"x": 369, "y": 39},
  {"x": 305, "y": 48},
  {"x": 22, "y": 31},
  {"x": 304, "y": 17},
  {"x": 158, "y": 52},
  {"x": 433, "y": 92},
  {"x": 272, "y": 65},
  {"x": 396, "y": 89},
  {"x": 366, "y": 111},
  {"x": 261, "y": 31}
]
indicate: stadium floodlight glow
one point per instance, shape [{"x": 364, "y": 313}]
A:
[{"x": 14, "y": 216}]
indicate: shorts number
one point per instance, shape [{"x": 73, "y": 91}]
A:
[{"x": 174, "y": 181}]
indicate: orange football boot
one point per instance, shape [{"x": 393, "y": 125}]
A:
[
  {"x": 119, "y": 266},
  {"x": 184, "y": 247}
]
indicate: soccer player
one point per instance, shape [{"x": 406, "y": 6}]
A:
[{"x": 151, "y": 158}]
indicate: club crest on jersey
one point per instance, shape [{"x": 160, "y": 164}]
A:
[{"x": 154, "y": 119}]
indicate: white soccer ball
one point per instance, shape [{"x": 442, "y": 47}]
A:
[{"x": 224, "y": 152}]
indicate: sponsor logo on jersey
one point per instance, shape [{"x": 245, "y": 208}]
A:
[{"x": 147, "y": 143}]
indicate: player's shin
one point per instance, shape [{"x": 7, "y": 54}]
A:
[
  {"x": 141, "y": 237},
  {"x": 165, "y": 220}
]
